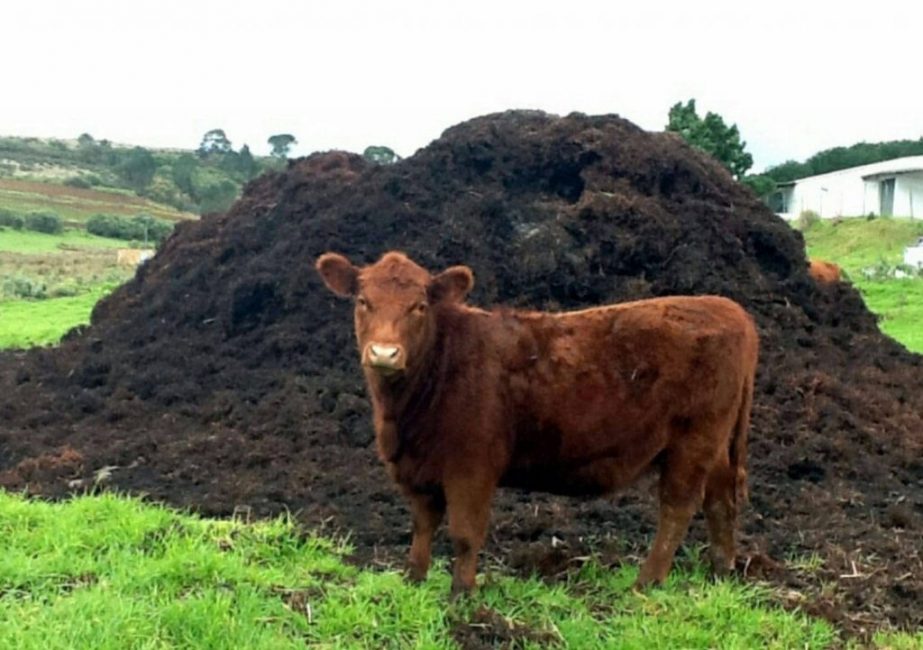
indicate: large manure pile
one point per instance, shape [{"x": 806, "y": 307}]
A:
[{"x": 223, "y": 377}]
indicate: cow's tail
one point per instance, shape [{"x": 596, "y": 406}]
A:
[{"x": 738, "y": 449}]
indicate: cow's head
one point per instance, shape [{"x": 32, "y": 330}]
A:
[{"x": 396, "y": 300}]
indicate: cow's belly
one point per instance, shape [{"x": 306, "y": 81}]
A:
[{"x": 592, "y": 478}]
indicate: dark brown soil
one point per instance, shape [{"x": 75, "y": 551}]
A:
[
  {"x": 487, "y": 629},
  {"x": 224, "y": 376}
]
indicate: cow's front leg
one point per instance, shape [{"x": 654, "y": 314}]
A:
[
  {"x": 427, "y": 511},
  {"x": 468, "y": 501}
]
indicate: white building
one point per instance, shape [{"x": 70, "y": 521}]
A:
[{"x": 889, "y": 188}]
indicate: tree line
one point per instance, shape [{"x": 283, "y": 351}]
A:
[
  {"x": 837, "y": 158},
  {"x": 722, "y": 141},
  {"x": 206, "y": 179}
]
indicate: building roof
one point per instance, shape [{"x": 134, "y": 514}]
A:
[{"x": 893, "y": 167}]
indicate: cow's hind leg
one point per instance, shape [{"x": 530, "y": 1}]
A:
[
  {"x": 721, "y": 516},
  {"x": 427, "y": 511},
  {"x": 682, "y": 482}
]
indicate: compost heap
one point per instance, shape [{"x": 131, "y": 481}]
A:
[{"x": 224, "y": 376}]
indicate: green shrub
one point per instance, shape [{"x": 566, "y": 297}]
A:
[
  {"x": 21, "y": 286},
  {"x": 79, "y": 182},
  {"x": 11, "y": 219},
  {"x": 129, "y": 228},
  {"x": 46, "y": 222},
  {"x": 216, "y": 196},
  {"x": 106, "y": 225},
  {"x": 807, "y": 219}
]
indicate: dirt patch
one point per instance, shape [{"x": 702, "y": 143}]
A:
[
  {"x": 488, "y": 629},
  {"x": 223, "y": 377}
]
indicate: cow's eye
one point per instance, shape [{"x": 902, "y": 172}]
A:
[
  {"x": 420, "y": 307},
  {"x": 362, "y": 302}
]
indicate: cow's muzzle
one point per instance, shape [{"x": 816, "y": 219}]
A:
[{"x": 385, "y": 359}]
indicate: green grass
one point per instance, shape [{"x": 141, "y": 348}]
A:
[
  {"x": 29, "y": 242},
  {"x": 111, "y": 572},
  {"x": 27, "y": 323},
  {"x": 73, "y": 269},
  {"x": 899, "y": 641},
  {"x": 900, "y": 304},
  {"x": 857, "y": 244}
]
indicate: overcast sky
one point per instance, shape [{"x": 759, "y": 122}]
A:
[{"x": 796, "y": 77}]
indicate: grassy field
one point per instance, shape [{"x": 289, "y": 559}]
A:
[
  {"x": 109, "y": 572},
  {"x": 28, "y": 323},
  {"x": 77, "y": 205},
  {"x": 30, "y": 242},
  {"x": 50, "y": 283},
  {"x": 900, "y": 304},
  {"x": 860, "y": 244}
]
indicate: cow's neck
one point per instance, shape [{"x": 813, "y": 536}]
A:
[{"x": 403, "y": 403}]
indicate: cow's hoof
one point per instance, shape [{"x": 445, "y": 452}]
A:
[
  {"x": 415, "y": 574},
  {"x": 459, "y": 592},
  {"x": 721, "y": 569},
  {"x": 646, "y": 581}
]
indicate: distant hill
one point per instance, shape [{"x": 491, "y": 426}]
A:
[
  {"x": 76, "y": 205},
  {"x": 168, "y": 183},
  {"x": 831, "y": 160}
]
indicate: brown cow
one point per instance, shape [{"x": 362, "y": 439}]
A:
[
  {"x": 824, "y": 272},
  {"x": 575, "y": 403}
]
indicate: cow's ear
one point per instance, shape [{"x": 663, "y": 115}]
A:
[
  {"x": 338, "y": 273},
  {"x": 452, "y": 285}
]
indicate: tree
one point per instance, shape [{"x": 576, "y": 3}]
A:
[
  {"x": 240, "y": 165},
  {"x": 107, "y": 154},
  {"x": 246, "y": 163},
  {"x": 214, "y": 142},
  {"x": 87, "y": 149},
  {"x": 837, "y": 158},
  {"x": 711, "y": 135},
  {"x": 761, "y": 184},
  {"x": 217, "y": 196},
  {"x": 789, "y": 170},
  {"x": 281, "y": 143},
  {"x": 380, "y": 155},
  {"x": 229, "y": 162},
  {"x": 183, "y": 172},
  {"x": 137, "y": 168}
]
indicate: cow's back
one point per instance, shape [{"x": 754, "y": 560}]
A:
[
  {"x": 604, "y": 388},
  {"x": 824, "y": 272}
]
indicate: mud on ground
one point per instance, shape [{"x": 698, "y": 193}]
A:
[{"x": 223, "y": 377}]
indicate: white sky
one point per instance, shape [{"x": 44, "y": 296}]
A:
[{"x": 796, "y": 77}]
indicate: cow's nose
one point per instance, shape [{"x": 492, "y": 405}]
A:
[{"x": 385, "y": 356}]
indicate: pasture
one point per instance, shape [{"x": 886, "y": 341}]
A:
[
  {"x": 111, "y": 572},
  {"x": 29, "y": 323},
  {"x": 50, "y": 283},
  {"x": 30, "y": 242},
  {"x": 867, "y": 249}
]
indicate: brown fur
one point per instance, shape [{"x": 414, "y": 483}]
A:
[
  {"x": 572, "y": 403},
  {"x": 824, "y": 272}
]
